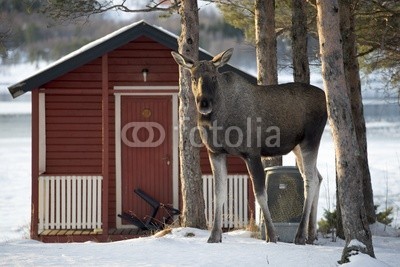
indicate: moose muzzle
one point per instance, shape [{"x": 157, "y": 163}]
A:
[{"x": 204, "y": 105}]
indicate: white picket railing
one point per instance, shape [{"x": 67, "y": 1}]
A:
[
  {"x": 70, "y": 202},
  {"x": 235, "y": 209}
]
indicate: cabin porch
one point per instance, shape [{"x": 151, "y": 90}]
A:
[{"x": 70, "y": 209}]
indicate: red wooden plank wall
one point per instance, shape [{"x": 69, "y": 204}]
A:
[
  {"x": 128, "y": 61},
  {"x": 73, "y": 122}
]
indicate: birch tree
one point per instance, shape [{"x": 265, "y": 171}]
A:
[{"x": 349, "y": 174}]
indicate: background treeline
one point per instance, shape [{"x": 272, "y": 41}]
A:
[
  {"x": 28, "y": 35},
  {"x": 31, "y": 30}
]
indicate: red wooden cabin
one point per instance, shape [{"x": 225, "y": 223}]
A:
[{"x": 93, "y": 112}]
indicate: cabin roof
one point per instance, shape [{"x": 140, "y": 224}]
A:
[{"x": 102, "y": 46}]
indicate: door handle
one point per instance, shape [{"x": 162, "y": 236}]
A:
[{"x": 167, "y": 159}]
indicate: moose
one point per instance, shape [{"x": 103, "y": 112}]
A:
[{"x": 251, "y": 121}]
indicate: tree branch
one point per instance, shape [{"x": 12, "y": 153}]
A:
[
  {"x": 4, "y": 35},
  {"x": 63, "y": 10},
  {"x": 372, "y": 49},
  {"x": 151, "y": 7},
  {"x": 230, "y": 3}
]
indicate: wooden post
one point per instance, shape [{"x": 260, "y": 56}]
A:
[
  {"x": 35, "y": 164},
  {"x": 105, "y": 142}
]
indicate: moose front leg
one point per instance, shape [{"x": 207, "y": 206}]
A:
[{"x": 218, "y": 165}]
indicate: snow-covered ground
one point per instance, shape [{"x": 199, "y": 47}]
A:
[
  {"x": 177, "y": 249},
  {"x": 188, "y": 247}
]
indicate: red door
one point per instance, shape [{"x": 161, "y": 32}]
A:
[{"x": 146, "y": 147}]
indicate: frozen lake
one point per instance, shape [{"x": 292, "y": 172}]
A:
[{"x": 15, "y": 176}]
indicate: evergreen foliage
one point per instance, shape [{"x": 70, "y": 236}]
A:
[
  {"x": 378, "y": 36},
  {"x": 385, "y": 216},
  {"x": 330, "y": 219},
  {"x": 377, "y": 30},
  {"x": 328, "y": 222}
]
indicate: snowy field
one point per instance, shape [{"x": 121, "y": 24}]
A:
[{"x": 177, "y": 248}]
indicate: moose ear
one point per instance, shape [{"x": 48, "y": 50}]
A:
[
  {"x": 182, "y": 61},
  {"x": 222, "y": 58}
]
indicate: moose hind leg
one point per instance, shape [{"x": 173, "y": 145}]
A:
[
  {"x": 218, "y": 166},
  {"x": 311, "y": 184},
  {"x": 312, "y": 224},
  {"x": 257, "y": 175}
]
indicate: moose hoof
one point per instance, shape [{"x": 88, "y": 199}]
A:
[
  {"x": 272, "y": 238},
  {"x": 215, "y": 237},
  {"x": 214, "y": 240},
  {"x": 272, "y": 235},
  {"x": 300, "y": 240},
  {"x": 311, "y": 238},
  {"x": 310, "y": 241}
]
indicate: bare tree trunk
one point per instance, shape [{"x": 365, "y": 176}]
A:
[
  {"x": 193, "y": 214},
  {"x": 352, "y": 72},
  {"x": 267, "y": 63},
  {"x": 339, "y": 223},
  {"x": 266, "y": 42},
  {"x": 301, "y": 68},
  {"x": 349, "y": 174}
]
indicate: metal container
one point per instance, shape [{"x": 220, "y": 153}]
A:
[{"x": 285, "y": 190}]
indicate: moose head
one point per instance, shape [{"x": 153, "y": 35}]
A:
[{"x": 204, "y": 76}]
